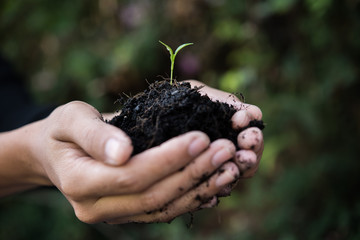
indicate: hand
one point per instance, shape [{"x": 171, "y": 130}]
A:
[
  {"x": 89, "y": 162},
  {"x": 247, "y": 159},
  {"x": 250, "y": 140}
]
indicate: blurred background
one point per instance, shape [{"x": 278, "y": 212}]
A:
[{"x": 297, "y": 60}]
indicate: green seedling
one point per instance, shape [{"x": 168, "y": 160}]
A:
[{"x": 172, "y": 57}]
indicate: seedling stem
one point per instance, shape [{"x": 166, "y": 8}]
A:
[{"x": 172, "y": 57}]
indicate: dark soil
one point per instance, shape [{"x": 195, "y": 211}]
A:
[{"x": 164, "y": 111}]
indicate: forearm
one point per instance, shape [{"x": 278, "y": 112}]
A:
[{"x": 19, "y": 171}]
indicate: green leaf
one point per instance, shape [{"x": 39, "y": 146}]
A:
[
  {"x": 169, "y": 49},
  {"x": 181, "y": 47}
]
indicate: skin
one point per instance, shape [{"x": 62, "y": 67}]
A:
[
  {"x": 89, "y": 162},
  {"x": 250, "y": 140}
]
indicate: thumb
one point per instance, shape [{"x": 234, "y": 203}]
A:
[{"x": 82, "y": 125}]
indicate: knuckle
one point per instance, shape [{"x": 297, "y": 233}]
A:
[
  {"x": 69, "y": 190},
  {"x": 74, "y": 105},
  {"x": 130, "y": 184},
  {"x": 66, "y": 111},
  {"x": 69, "y": 185},
  {"x": 196, "y": 173},
  {"x": 61, "y": 118}
]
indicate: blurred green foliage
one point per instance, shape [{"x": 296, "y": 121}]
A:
[{"x": 297, "y": 60}]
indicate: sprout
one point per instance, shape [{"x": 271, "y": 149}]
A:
[{"x": 173, "y": 55}]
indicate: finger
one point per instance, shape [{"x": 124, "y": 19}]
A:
[
  {"x": 226, "y": 191},
  {"x": 254, "y": 111},
  {"x": 169, "y": 157},
  {"x": 217, "y": 95},
  {"x": 241, "y": 119},
  {"x": 251, "y": 143},
  {"x": 173, "y": 186},
  {"x": 81, "y": 124},
  {"x": 142, "y": 171},
  {"x": 198, "y": 171},
  {"x": 214, "y": 201},
  {"x": 189, "y": 202},
  {"x": 251, "y": 139},
  {"x": 247, "y": 162}
]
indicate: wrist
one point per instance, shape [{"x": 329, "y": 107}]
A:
[
  {"x": 32, "y": 152},
  {"x": 19, "y": 168}
]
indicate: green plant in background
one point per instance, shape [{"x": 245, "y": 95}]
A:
[{"x": 173, "y": 55}]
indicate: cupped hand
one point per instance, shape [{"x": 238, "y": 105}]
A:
[
  {"x": 247, "y": 159},
  {"x": 89, "y": 162},
  {"x": 250, "y": 141}
]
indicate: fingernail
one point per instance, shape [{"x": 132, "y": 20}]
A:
[
  {"x": 198, "y": 145},
  {"x": 228, "y": 176},
  {"x": 112, "y": 148},
  {"x": 222, "y": 155}
]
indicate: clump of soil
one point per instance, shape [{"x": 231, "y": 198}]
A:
[{"x": 164, "y": 111}]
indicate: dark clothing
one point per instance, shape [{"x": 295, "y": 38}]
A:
[{"x": 16, "y": 107}]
